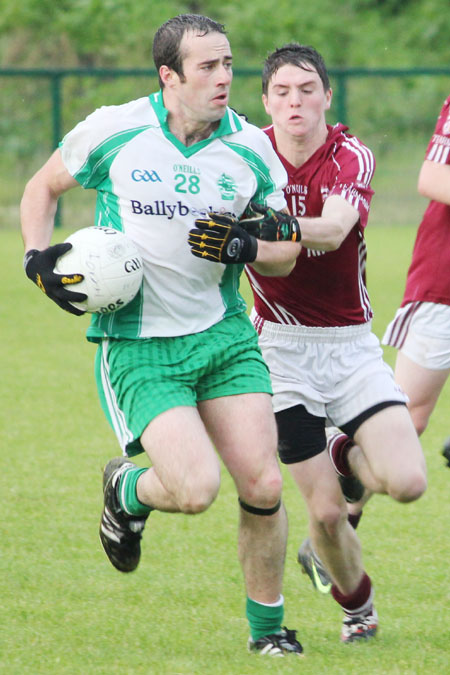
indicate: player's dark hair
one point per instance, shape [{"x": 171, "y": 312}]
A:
[
  {"x": 167, "y": 40},
  {"x": 294, "y": 54}
]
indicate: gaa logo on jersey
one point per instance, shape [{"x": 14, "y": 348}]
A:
[{"x": 145, "y": 176}]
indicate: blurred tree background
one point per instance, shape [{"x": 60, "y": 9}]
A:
[
  {"x": 119, "y": 33},
  {"x": 395, "y": 115}
]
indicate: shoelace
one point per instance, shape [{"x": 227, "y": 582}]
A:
[
  {"x": 358, "y": 620},
  {"x": 288, "y": 637}
]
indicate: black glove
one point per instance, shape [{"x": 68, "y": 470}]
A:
[
  {"x": 39, "y": 267},
  {"x": 264, "y": 222},
  {"x": 220, "y": 238}
]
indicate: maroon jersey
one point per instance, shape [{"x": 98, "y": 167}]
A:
[
  {"x": 428, "y": 275},
  {"x": 325, "y": 288}
]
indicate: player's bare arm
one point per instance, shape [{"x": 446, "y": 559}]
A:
[
  {"x": 327, "y": 232},
  {"x": 434, "y": 181},
  {"x": 276, "y": 258},
  {"x": 39, "y": 202}
]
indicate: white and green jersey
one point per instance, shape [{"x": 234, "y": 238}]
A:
[{"x": 152, "y": 187}]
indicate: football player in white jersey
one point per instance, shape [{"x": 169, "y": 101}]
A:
[
  {"x": 179, "y": 371},
  {"x": 315, "y": 333}
]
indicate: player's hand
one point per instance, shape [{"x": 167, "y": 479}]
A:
[
  {"x": 39, "y": 267},
  {"x": 264, "y": 222},
  {"x": 220, "y": 238}
]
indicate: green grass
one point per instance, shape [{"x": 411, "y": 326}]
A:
[{"x": 65, "y": 610}]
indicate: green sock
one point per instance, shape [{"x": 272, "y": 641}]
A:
[
  {"x": 127, "y": 493},
  {"x": 264, "y": 619}
]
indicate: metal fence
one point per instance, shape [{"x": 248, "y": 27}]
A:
[
  {"x": 392, "y": 109},
  {"x": 341, "y": 77}
]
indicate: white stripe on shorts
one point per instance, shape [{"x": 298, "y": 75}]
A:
[{"x": 118, "y": 421}]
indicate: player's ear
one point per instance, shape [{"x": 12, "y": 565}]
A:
[
  {"x": 167, "y": 75},
  {"x": 328, "y": 98},
  {"x": 265, "y": 101}
]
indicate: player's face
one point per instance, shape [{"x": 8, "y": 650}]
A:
[
  {"x": 204, "y": 91},
  {"x": 297, "y": 101}
]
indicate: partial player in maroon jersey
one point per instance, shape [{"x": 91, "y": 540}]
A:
[{"x": 420, "y": 329}]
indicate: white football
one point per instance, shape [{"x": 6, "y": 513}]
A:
[{"x": 111, "y": 266}]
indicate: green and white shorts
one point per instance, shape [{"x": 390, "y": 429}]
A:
[{"x": 139, "y": 379}]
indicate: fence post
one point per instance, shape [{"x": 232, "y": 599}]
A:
[
  {"x": 55, "y": 87},
  {"x": 341, "y": 97}
]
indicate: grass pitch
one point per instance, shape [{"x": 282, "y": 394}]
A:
[{"x": 65, "y": 610}]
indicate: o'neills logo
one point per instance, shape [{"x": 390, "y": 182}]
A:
[{"x": 159, "y": 208}]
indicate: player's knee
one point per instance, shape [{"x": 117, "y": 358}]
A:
[
  {"x": 420, "y": 422},
  {"x": 409, "y": 487},
  {"x": 420, "y": 414},
  {"x": 199, "y": 495},
  {"x": 263, "y": 492},
  {"x": 329, "y": 517}
]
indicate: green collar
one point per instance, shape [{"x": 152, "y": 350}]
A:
[{"x": 229, "y": 124}]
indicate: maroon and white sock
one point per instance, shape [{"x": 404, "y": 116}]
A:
[
  {"x": 358, "y": 603},
  {"x": 338, "y": 447}
]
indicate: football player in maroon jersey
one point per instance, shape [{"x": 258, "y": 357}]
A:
[
  {"x": 420, "y": 329},
  {"x": 315, "y": 333}
]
